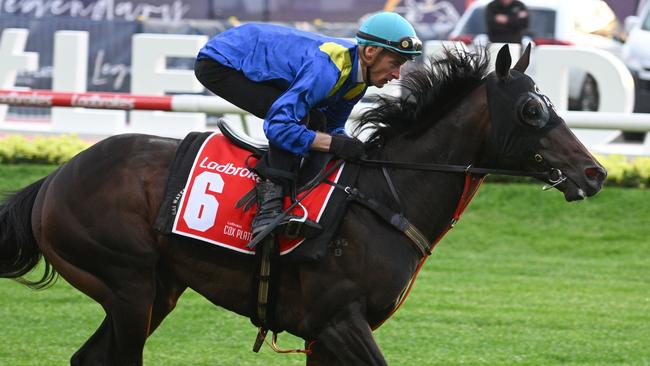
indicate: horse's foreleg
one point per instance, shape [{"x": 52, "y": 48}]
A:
[{"x": 348, "y": 336}]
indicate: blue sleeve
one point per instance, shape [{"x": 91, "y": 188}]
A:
[
  {"x": 337, "y": 116},
  {"x": 282, "y": 124}
]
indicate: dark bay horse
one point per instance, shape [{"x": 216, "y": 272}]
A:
[{"x": 92, "y": 219}]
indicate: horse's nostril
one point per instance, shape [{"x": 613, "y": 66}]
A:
[{"x": 596, "y": 173}]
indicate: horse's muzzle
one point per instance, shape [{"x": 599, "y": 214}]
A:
[{"x": 590, "y": 183}]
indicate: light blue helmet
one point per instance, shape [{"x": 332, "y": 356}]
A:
[{"x": 392, "y": 31}]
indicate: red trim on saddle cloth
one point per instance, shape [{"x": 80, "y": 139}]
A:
[
  {"x": 218, "y": 179},
  {"x": 472, "y": 184}
]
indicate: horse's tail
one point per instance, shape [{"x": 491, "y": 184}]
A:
[{"x": 19, "y": 252}]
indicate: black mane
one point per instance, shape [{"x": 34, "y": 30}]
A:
[{"x": 428, "y": 93}]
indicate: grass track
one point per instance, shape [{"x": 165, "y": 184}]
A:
[{"x": 524, "y": 279}]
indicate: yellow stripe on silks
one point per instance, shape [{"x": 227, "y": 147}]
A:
[
  {"x": 352, "y": 93},
  {"x": 340, "y": 56}
]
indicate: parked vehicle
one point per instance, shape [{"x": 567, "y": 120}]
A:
[
  {"x": 556, "y": 22},
  {"x": 636, "y": 55}
]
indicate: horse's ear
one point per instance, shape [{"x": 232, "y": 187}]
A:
[
  {"x": 524, "y": 60},
  {"x": 503, "y": 63}
]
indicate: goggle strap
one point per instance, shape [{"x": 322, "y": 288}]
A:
[{"x": 398, "y": 44}]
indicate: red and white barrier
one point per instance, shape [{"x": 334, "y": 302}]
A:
[
  {"x": 121, "y": 101},
  {"x": 103, "y": 114},
  {"x": 46, "y": 98}
]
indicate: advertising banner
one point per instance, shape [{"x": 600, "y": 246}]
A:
[
  {"x": 109, "y": 50},
  {"x": 108, "y": 10},
  {"x": 247, "y": 10}
]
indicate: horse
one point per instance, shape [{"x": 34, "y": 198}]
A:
[{"x": 92, "y": 219}]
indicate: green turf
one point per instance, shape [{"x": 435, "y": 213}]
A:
[
  {"x": 524, "y": 279},
  {"x": 13, "y": 177}
]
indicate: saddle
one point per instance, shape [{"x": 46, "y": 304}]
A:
[
  {"x": 310, "y": 167},
  {"x": 290, "y": 226},
  {"x": 246, "y": 142},
  {"x": 311, "y": 241}
]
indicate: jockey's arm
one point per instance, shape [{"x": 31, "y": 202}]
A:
[
  {"x": 321, "y": 142},
  {"x": 344, "y": 146},
  {"x": 337, "y": 117},
  {"x": 312, "y": 85}
]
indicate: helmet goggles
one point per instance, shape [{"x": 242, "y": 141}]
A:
[{"x": 407, "y": 45}]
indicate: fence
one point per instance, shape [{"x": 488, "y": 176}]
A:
[{"x": 600, "y": 131}]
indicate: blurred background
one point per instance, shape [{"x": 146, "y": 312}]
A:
[
  {"x": 112, "y": 23},
  {"x": 524, "y": 279},
  {"x": 619, "y": 28}
]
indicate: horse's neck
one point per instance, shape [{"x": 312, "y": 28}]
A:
[
  {"x": 430, "y": 198},
  {"x": 457, "y": 138}
]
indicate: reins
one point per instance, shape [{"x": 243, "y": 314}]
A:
[
  {"x": 470, "y": 169},
  {"x": 399, "y": 221}
]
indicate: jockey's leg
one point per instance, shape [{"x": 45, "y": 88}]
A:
[
  {"x": 251, "y": 96},
  {"x": 233, "y": 86},
  {"x": 279, "y": 170},
  {"x": 278, "y": 167}
]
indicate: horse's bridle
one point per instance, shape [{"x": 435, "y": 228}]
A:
[{"x": 553, "y": 175}]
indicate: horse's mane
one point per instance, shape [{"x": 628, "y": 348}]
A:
[{"x": 428, "y": 93}]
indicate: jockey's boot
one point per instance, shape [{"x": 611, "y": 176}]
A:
[{"x": 269, "y": 205}]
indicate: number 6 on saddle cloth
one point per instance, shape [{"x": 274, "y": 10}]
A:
[{"x": 210, "y": 174}]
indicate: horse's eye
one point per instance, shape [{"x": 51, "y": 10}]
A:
[{"x": 533, "y": 111}]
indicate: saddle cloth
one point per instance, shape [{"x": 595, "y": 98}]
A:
[{"x": 207, "y": 178}]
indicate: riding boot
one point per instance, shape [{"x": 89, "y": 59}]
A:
[{"x": 269, "y": 205}]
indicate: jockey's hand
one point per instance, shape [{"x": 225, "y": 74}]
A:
[{"x": 347, "y": 147}]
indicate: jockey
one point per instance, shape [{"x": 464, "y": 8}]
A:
[{"x": 301, "y": 83}]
